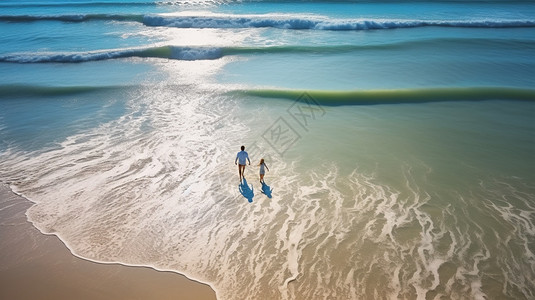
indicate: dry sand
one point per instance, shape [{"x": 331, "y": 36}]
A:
[{"x": 38, "y": 266}]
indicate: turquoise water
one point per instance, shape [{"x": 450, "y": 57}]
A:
[{"x": 399, "y": 137}]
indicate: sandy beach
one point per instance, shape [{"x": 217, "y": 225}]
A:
[{"x": 37, "y": 266}]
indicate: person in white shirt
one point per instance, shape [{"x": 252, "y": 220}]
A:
[{"x": 240, "y": 161}]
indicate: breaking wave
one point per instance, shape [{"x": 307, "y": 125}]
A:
[
  {"x": 168, "y": 52},
  {"x": 285, "y": 22},
  {"x": 270, "y": 21},
  {"x": 209, "y": 53}
]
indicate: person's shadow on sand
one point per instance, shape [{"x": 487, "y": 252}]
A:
[
  {"x": 246, "y": 191},
  {"x": 266, "y": 190}
]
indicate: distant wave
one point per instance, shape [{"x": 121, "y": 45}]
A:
[
  {"x": 76, "y": 4},
  {"x": 321, "y": 97},
  {"x": 205, "y": 2},
  {"x": 264, "y": 21},
  {"x": 116, "y": 3},
  {"x": 234, "y": 21},
  {"x": 396, "y": 96},
  {"x": 210, "y": 53},
  {"x": 8, "y": 91},
  {"x": 72, "y": 18}
]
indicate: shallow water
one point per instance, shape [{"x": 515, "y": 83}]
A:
[{"x": 121, "y": 122}]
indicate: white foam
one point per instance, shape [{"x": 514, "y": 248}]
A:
[
  {"x": 315, "y": 22},
  {"x": 158, "y": 187}
]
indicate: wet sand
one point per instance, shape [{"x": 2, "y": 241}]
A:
[{"x": 38, "y": 266}]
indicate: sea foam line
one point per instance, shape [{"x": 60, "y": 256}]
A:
[{"x": 65, "y": 242}]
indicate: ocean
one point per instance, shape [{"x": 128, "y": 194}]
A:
[{"x": 399, "y": 136}]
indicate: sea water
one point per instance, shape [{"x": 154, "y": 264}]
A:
[{"x": 399, "y": 138}]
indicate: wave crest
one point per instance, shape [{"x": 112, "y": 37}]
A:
[
  {"x": 73, "y": 18},
  {"x": 167, "y": 52},
  {"x": 15, "y": 90},
  {"x": 396, "y": 96},
  {"x": 209, "y": 53},
  {"x": 269, "y": 21},
  {"x": 233, "y": 21}
]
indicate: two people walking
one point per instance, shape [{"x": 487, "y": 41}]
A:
[{"x": 241, "y": 159}]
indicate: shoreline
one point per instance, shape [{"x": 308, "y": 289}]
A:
[{"x": 36, "y": 265}]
